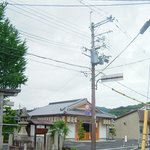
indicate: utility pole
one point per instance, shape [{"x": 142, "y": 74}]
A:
[
  {"x": 93, "y": 119},
  {"x": 95, "y": 60}
]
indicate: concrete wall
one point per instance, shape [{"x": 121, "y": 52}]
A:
[
  {"x": 32, "y": 130},
  {"x": 128, "y": 126},
  {"x": 71, "y": 134},
  {"x": 102, "y": 131}
]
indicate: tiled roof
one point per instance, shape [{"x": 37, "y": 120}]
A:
[
  {"x": 54, "y": 108},
  {"x": 66, "y": 107}
]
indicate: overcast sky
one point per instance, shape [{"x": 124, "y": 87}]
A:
[{"x": 59, "y": 33}]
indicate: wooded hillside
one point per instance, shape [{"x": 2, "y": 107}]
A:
[{"x": 119, "y": 111}]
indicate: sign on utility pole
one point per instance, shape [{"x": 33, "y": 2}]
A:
[
  {"x": 8, "y": 103},
  {"x": 112, "y": 77}
]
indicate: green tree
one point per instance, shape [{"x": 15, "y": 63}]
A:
[
  {"x": 8, "y": 118},
  {"x": 61, "y": 128},
  {"x": 81, "y": 131},
  {"x": 12, "y": 52},
  {"x": 112, "y": 131}
]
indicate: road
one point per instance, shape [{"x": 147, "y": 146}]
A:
[
  {"x": 101, "y": 145},
  {"x": 104, "y": 145}
]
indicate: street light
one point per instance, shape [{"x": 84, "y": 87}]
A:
[{"x": 143, "y": 29}]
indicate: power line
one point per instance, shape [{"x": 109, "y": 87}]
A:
[
  {"x": 124, "y": 94},
  {"x": 58, "y": 61},
  {"x": 131, "y": 89},
  {"x": 90, "y": 7},
  {"x": 37, "y": 16},
  {"x": 74, "y": 6},
  {"x": 118, "y": 54},
  {"x": 127, "y": 64},
  {"x": 56, "y": 66},
  {"x": 47, "y": 58},
  {"x": 57, "y": 19},
  {"x": 119, "y": 66},
  {"x": 40, "y": 38},
  {"x": 122, "y": 0}
]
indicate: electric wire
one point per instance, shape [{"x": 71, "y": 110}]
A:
[
  {"x": 63, "y": 21},
  {"x": 69, "y": 69},
  {"x": 123, "y": 84},
  {"x": 127, "y": 64},
  {"x": 58, "y": 19},
  {"x": 118, "y": 55},
  {"x": 40, "y": 38},
  {"x": 115, "y": 59},
  {"x": 61, "y": 67},
  {"x": 48, "y": 58},
  {"x": 131, "y": 89},
  {"x": 125, "y": 32},
  {"x": 58, "y": 61},
  {"x": 124, "y": 94},
  {"x": 122, "y": 0},
  {"x": 37, "y": 16},
  {"x": 82, "y": 6},
  {"x": 75, "y": 70},
  {"x": 91, "y": 8}
]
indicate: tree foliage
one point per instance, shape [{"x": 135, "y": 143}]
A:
[
  {"x": 123, "y": 110},
  {"x": 112, "y": 131},
  {"x": 60, "y": 127},
  {"x": 12, "y": 52},
  {"x": 119, "y": 111},
  {"x": 81, "y": 131},
  {"x": 8, "y": 118}
]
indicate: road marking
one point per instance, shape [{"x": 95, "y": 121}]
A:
[{"x": 119, "y": 148}]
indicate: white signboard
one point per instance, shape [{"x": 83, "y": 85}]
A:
[
  {"x": 8, "y": 103},
  {"x": 113, "y": 77}
]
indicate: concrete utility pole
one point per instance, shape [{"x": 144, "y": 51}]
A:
[
  {"x": 93, "y": 135},
  {"x": 95, "y": 60}
]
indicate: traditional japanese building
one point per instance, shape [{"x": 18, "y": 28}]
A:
[{"x": 73, "y": 112}]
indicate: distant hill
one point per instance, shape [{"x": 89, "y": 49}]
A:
[{"x": 119, "y": 111}]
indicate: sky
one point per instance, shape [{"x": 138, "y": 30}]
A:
[{"x": 60, "y": 34}]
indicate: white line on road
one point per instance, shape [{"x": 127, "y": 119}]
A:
[{"x": 119, "y": 148}]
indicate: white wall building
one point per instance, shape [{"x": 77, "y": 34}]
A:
[{"x": 73, "y": 112}]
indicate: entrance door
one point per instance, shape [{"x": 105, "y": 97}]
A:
[{"x": 87, "y": 128}]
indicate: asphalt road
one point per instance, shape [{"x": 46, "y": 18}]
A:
[
  {"x": 101, "y": 145},
  {"x": 104, "y": 145}
]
